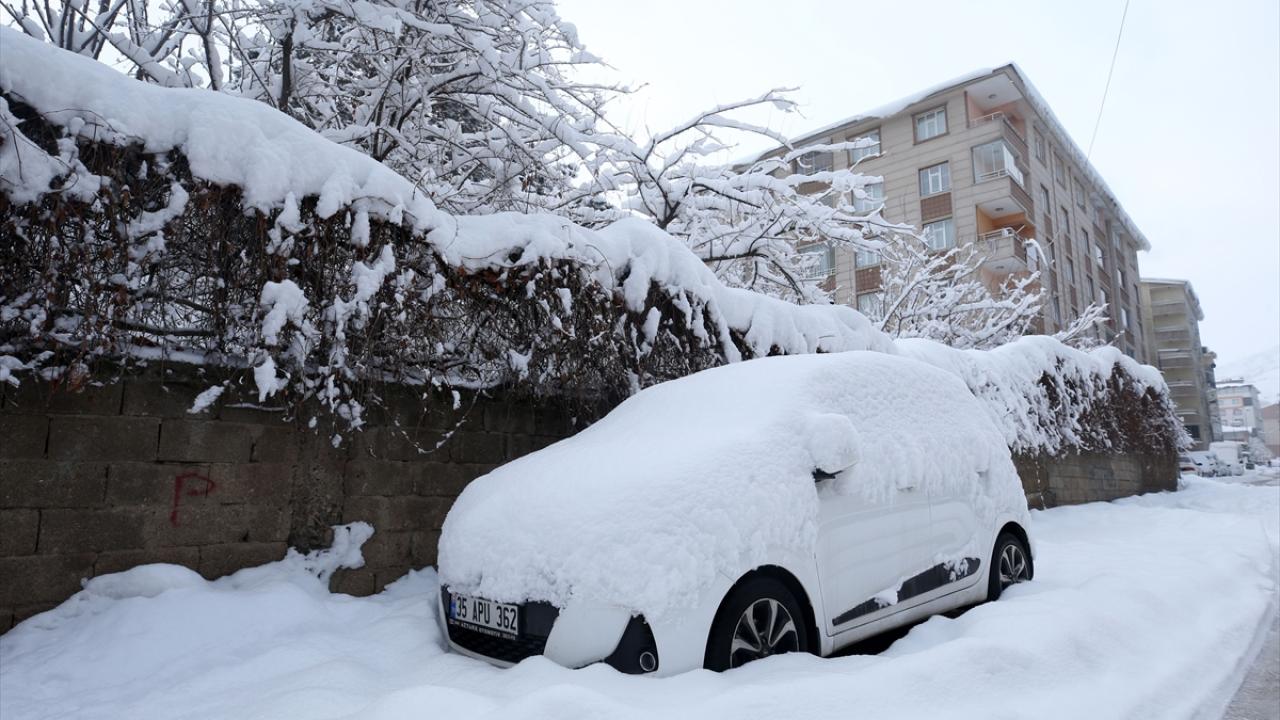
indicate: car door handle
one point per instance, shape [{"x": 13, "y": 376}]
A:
[{"x": 907, "y": 488}]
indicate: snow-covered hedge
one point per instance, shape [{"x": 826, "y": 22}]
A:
[
  {"x": 138, "y": 222},
  {"x": 145, "y": 221}
]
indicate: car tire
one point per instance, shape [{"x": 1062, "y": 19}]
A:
[
  {"x": 1010, "y": 564},
  {"x": 761, "y": 617}
]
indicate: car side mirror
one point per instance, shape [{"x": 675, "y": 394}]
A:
[{"x": 833, "y": 444}]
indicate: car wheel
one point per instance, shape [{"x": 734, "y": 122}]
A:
[
  {"x": 760, "y": 618},
  {"x": 1010, "y": 565}
]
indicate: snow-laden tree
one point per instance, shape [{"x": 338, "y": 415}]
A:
[
  {"x": 745, "y": 220},
  {"x": 1258, "y": 450},
  {"x": 475, "y": 100},
  {"x": 941, "y": 295},
  {"x": 480, "y": 103}
]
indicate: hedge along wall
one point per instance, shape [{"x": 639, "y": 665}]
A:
[{"x": 120, "y": 474}]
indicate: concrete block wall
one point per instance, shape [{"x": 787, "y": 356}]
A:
[
  {"x": 1091, "y": 477},
  {"x": 120, "y": 474}
]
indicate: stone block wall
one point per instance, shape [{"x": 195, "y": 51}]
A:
[
  {"x": 120, "y": 474},
  {"x": 1091, "y": 477}
]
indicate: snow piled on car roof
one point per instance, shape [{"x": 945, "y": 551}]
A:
[{"x": 710, "y": 473}]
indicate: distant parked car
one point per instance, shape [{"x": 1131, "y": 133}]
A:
[
  {"x": 1186, "y": 465},
  {"x": 1231, "y": 453},
  {"x": 1206, "y": 463},
  {"x": 783, "y": 504}
]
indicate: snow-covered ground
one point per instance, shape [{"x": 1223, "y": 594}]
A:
[{"x": 1148, "y": 607}]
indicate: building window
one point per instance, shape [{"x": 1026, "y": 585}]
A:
[
  {"x": 931, "y": 124},
  {"x": 995, "y": 160},
  {"x": 873, "y": 198},
  {"x": 1044, "y": 200},
  {"x": 1057, "y": 311},
  {"x": 870, "y": 146},
  {"x": 1079, "y": 193},
  {"x": 1088, "y": 283},
  {"x": 866, "y": 258},
  {"x": 1040, "y": 146},
  {"x": 813, "y": 162},
  {"x": 1099, "y": 256},
  {"x": 1120, "y": 283},
  {"x": 935, "y": 179},
  {"x": 1124, "y": 318},
  {"x": 1103, "y": 297},
  {"x": 1059, "y": 170},
  {"x": 1065, "y": 230},
  {"x": 1070, "y": 268},
  {"x": 823, "y": 263},
  {"x": 870, "y": 304},
  {"x": 940, "y": 235}
]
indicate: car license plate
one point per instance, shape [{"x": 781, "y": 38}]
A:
[{"x": 485, "y": 616}]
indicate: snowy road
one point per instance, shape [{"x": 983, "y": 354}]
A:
[{"x": 1145, "y": 608}]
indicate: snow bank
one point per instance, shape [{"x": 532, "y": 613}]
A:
[
  {"x": 1175, "y": 584},
  {"x": 701, "y": 475}
]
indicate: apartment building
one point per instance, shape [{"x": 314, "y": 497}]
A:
[
  {"x": 1172, "y": 315},
  {"x": 1209, "y": 367},
  {"x": 1241, "y": 408},
  {"x": 983, "y": 160},
  {"x": 1271, "y": 428}
]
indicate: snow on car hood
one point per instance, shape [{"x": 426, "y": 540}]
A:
[{"x": 712, "y": 474}]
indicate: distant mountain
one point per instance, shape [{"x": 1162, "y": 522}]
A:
[{"x": 1262, "y": 370}]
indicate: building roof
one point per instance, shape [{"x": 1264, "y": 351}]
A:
[
  {"x": 1032, "y": 96},
  {"x": 1191, "y": 291}
]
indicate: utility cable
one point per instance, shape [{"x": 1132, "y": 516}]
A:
[{"x": 1110, "y": 72}]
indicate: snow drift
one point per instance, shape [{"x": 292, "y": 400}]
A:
[{"x": 1173, "y": 583}]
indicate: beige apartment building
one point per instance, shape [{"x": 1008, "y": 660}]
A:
[
  {"x": 1172, "y": 316},
  {"x": 1241, "y": 410},
  {"x": 982, "y": 160}
]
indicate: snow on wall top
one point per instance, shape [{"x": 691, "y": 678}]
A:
[
  {"x": 272, "y": 158},
  {"x": 1006, "y": 379},
  {"x": 277, "y": 162},
  {"x": 711, "y": 473},
  {"x": 632, "y": 254}
]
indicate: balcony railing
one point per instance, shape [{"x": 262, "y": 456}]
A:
[
  {"x": 1003, "y": 250},
  {"x": 1010, "y": 132},
  {"x": 1009, "y": 171}
]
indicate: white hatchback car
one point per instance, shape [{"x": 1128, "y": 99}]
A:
[{"x": 776, "y": 505}]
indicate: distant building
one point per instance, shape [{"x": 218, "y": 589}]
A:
[
  {"x": 1241, "y": 408},
  {"x": 1209, "y": 363},
  {"x": 1172, "y": 314},
  {"x": 983, "y": 161},
  {"x": 1271, "y": 428}
]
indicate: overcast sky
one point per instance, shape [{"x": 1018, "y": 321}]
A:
[{"x": 1189, "y": 140}]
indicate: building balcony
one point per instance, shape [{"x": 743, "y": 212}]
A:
[
  {"x": 1004, "y": 123},
  {"x": 1003, "y": 251},
  {"x": 1000, "y": 196}
]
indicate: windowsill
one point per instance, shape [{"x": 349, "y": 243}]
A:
[{"x": 935, "y": 137}]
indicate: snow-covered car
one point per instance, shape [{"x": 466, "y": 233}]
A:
[
  {"x": 782, "y": 504},
  {"x": 1206, "y": 463},
  {"x": 1187, "y": 466}
]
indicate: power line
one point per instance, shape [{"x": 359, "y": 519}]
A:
[{"x": 1110, "y": 71}]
